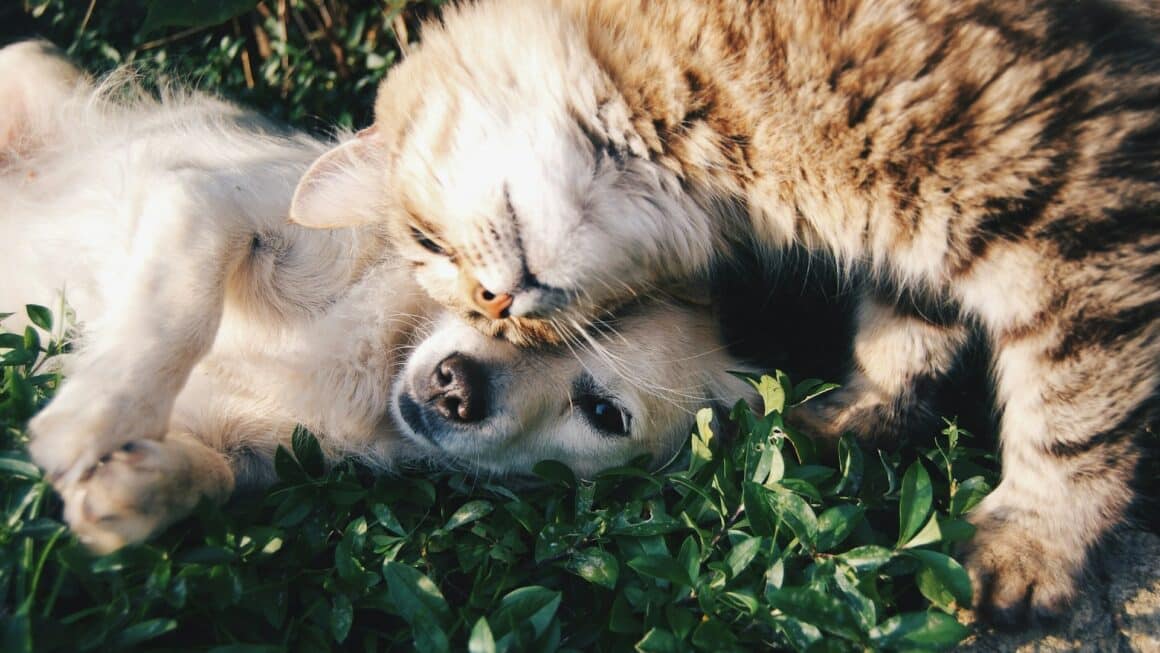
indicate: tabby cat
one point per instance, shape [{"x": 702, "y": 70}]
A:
[{"x": 986, "y": 165}]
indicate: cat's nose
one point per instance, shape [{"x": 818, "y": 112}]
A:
[
  {"x": 494, "y": 306},
  {"x": 457, "y": 389}
]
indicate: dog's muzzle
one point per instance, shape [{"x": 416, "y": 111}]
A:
[{"x": 453, "y": 396}]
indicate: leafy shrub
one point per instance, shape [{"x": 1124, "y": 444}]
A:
[
  {"x": 312, "y": 63},
  {"x": 756, "y": 542}
]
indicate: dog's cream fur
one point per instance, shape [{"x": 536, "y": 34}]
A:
[{"x": 209, "y": 326}]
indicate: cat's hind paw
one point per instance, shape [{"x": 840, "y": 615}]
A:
[
  {"x": 871, "y": 418},
  {"x": 1018, "y": 577}
]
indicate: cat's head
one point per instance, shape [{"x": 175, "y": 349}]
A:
[{"x": 513, "y": 179}]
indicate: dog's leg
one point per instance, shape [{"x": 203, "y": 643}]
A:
[
  {"x": 143, "y": 487},
  {"x": 190, "y": 234}
]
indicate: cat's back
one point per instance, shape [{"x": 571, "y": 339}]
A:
[{"x": 918, "y": 132}]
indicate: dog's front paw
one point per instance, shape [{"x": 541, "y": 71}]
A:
[
  {"x": 1018, "y": 572},
  {"x": 136, "y": 491},
  {"x": 78, "y": 429}
]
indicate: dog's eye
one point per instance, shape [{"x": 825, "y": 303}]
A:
[
  {"x": 605, "y": 415},
  {"x": 426, "y": 243}
]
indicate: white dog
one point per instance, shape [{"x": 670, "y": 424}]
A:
[{"x": 209, "y": 326}]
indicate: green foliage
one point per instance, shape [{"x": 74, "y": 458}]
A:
[
  {"x": 312, "y": 63},
  {"x": 749, "y": 544}
]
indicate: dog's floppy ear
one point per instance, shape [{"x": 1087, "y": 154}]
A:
[
  {"x": 694, "y": 292},
  {"x": 342, "y": 188},
  {"x": 35, "y": 78}
]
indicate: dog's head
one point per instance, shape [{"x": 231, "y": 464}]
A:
[{"x": 633, "y": 388}]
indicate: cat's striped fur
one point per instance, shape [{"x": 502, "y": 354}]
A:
[{"x": 986, "y": 164}]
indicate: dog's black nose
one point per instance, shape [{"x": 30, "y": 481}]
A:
[{"x": 457, "y": 389}]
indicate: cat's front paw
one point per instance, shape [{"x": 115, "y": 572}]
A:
[
  {"x": 1018, "y": 575},
  {"x": 144, "y": 486}
]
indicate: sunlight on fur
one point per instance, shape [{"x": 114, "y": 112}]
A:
[{"x": 209, "y": 326}]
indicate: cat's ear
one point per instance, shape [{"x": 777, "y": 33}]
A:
[{"x": 343, "y": 188}]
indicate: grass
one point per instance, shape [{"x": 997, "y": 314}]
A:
[
  {"x": 758, "y": 542},
  {"x": 755, "y": 543}
]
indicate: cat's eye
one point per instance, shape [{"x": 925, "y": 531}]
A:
[
  {"x": 604, "y": 415},
  {"x": 426, "y": 243}
]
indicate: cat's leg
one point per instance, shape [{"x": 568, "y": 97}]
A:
[
  {"x": 899, "y": 354},
  {"x": 1076, "y": 392},
  {"x": 163, "y": 317},
  {"x": 143, "y": 487}
]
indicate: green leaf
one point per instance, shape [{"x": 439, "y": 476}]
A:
[
  {"x": 533, "y": 606},
  {"x": 803, "y": 447},
  {"x": 40, "y": 316},
  {"x": 481, "y": 640},
  {"x": 845, "y": 586},
  {"x": 622, "y": 619},
  {"x": 968, "y": 494},
  {"x": 810, "y": 388},
  {"x": 690, "y": 557},
  {"x": 929, "y": 534},
  {"x": 867, "y": 558},
  {"x": 595, "y": 566},
  {"x": 31, "y": 340},
  {"x": 823, "y": 610},
  {"x": 772, "y": 393},
  {"x": 835, "y": 525},
  {"x": 413, "y": 595},
  {"x": 287, "y": 467},
  {"x": 925, "y": 629},
  {"x": 850, "y": 465},
  {"x": 143, "y": 631},
  {"x": 942, "y": 580},
  {"x": 308, "y": 452},
  {"x": 803, "y": 636},
  {"x": 741, "y": 600},
  {"x": 467, "y": 513},
  {"x": 19, "y": 468},
  {"x": 759, "y": 511},
  {"x": 387, "y": 519},
  {"x": 915, "y": 501},
  {"x": 192, "y": 13},
  {"x": 956, "y": 530},
  {"x": 657, "y": 640},
  {"x": 429, "y": 636},
  {"x": 555, "y": 471},
  {"x": 798, "y": 515},
  {"x": 713, "y": 635},
  {"x": 702, "y": 440},
  {"x": 341, "y": 617},
  {"x": 13, "y": 341},
  {"x": 743, "y": 552},
  {"x": 661, "y": 567}
]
